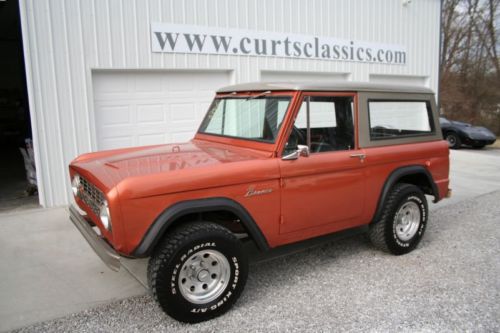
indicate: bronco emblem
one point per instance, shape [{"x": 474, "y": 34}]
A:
[{"x": 252, "y": 191}]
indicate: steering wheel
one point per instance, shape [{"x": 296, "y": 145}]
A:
[{"x": 296, "y": 138}]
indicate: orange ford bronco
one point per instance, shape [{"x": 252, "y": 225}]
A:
[{"x": 274, "y": 163}]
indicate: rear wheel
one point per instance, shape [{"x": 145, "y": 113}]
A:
[
  {"x": 198, "y": 272},
  {"x": 454, "y": 141},
  {"x": 402, "y": 222}
]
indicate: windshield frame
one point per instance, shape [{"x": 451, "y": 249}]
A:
[{"x": 241, "y": 141}]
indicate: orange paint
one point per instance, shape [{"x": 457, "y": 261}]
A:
[{"x": 303, "y": 198}]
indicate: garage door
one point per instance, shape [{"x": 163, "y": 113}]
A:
[{"x": 142, "y": 108}]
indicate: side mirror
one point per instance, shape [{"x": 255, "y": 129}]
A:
[{"x": 301, "y": 151}]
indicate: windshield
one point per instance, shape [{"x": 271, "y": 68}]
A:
[{"x": 246, "y": 118}]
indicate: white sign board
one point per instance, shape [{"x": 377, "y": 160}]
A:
[{"x": 179, "y": 38}]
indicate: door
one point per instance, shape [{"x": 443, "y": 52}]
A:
[{"x": 327, "y": 187}]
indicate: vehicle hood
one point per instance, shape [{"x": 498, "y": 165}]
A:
[{"x": 108, "y": 168}]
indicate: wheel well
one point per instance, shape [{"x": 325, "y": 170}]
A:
[
  {"x": 449, "y": 131},
  {"x": 225, "y": 218},
  {"x": 416, "y": 175},
  {"x": 223, "y": 211},
  {"x": 420, "y": 180}
]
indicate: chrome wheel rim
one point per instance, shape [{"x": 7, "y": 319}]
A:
[
  {"x": 451, "y": 140},
  {"x": 204, "y": 276},
  {"x": 407, "y": 221}
]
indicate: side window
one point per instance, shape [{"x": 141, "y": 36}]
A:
[
  {"x": 331, "y": 125},
  {"x": 393, "y": 119}
]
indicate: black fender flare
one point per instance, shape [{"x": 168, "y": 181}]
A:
[
  {"x": 445, "y": 132},
  {"x": 158, "y": 228},
  {"x": 395, "y": 176}
]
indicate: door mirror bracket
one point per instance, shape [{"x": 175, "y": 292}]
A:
[{"x": 301, "y": 151}]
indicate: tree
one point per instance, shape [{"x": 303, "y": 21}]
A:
[{"x": 470, "y": 68}]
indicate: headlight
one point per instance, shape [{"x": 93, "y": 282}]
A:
[
  {"x": 75, "y": 184},
  {"x": 105, "y": 216}
]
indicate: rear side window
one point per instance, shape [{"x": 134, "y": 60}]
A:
[{"x": 394, "y": 119}]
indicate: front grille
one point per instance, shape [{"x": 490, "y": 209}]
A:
[{"x": 90, "y": 195}]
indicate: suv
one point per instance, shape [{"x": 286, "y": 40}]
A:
[{"x": 273, "y": 163}]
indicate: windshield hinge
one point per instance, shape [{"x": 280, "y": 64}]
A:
[{"x": 259, "y": 95}]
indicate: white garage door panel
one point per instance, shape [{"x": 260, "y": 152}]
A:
[
  {"x": 144, "y": 108},
  {"x": 150, "y": 114},
  {"x": 115, "y": 115},
  {"x": 182, "y": 112}
]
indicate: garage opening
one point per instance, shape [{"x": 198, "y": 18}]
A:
[{"x": 17, "y": 173}]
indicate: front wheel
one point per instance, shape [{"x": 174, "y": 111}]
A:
[
  {"x": 402, "y": 222},
  {"x": 198, "y": 272}
]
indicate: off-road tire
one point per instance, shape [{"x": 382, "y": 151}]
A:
[
  {"x": 453, "y": 140},
  {"x": 179, "y": 246},
  {"x": 382, "y": 232}
]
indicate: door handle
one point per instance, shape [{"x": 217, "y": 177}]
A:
[{"x": 361, "y": 156}]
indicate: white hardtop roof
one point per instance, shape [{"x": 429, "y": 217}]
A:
[{"x": 325, "y": 86}]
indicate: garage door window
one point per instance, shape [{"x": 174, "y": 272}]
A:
[
  {"x": 254, "y": 119},
  {"x": 394, "y": 119}
]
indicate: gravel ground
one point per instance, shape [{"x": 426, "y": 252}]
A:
[{"x": 450, "y": 283}]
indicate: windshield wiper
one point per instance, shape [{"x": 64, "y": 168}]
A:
[{"x": 259, "y": 95}]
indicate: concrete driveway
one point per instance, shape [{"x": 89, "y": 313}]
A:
[{"x": 48, "y": 271}]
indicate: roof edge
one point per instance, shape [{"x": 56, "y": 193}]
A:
[{"x": 324, "y": 86}]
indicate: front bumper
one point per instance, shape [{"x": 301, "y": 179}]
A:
[
  {"x": 479, "y": 142},
  {"x": 110, "y": 257}
]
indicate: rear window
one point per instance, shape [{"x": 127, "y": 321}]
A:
[{"x": 394, "y": 119}]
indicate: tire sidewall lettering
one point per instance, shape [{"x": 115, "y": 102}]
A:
[
  {"x": 225, "y": 296},
  {"x": 423, "y": 220}
]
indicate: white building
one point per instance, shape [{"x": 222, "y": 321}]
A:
[{"x": 103, "y": 74}]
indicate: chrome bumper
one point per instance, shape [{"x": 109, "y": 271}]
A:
[{"x": 110, "y": 257}]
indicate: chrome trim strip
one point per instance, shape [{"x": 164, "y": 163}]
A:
[{"x": 107, "y": 254}]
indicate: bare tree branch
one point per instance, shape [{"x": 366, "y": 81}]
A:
[{"x": 470, "y": 68}]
